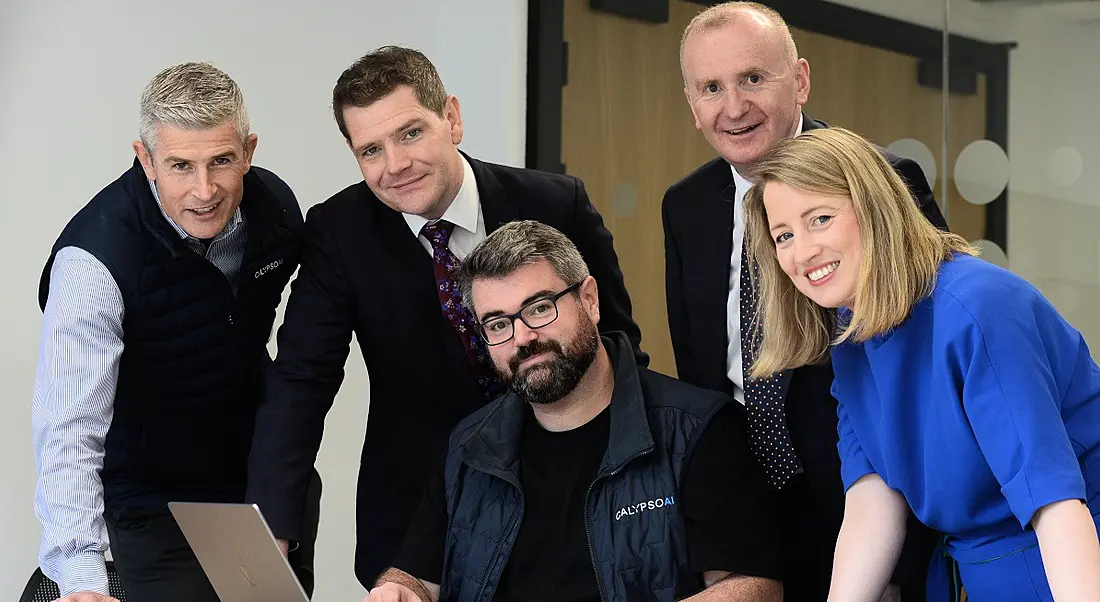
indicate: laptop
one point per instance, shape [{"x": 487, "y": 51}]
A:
[{"x": 238, "y": 552}]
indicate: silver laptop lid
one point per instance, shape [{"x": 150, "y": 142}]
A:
[{"x": 238, "y": 552}]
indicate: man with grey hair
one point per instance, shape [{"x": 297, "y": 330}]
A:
[
  {"x": 159, "y": 298},
  {"x": 593, "y": 478},
  {"x": 746, "y": 85}
]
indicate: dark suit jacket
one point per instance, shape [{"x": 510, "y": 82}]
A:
[
  {"x": 364, "y": 271},
  {"x": 698, "y": 227}
]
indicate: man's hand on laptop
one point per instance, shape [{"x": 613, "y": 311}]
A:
[
  {"x": 392, "y": 592},
  {"x": 86, "y": 597},
  {"x": 284, "y": 546}
]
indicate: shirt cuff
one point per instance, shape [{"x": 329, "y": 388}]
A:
[{"x": 85, "y": 572}]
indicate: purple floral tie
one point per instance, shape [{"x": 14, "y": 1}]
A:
[{"x": 450, "y": 300}]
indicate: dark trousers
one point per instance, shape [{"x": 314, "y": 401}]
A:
[
  {"x": 812, "y": 503},
  {"x": 153, "y": 559},
  {"x": 812, "y": 513},
  {"x": 155, "y": 563},
  {"x": 810, "y": 522}
]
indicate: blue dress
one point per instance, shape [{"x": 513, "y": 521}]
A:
[{"x": 980, "y": 409}]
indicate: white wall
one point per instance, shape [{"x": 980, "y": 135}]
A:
[{"x": 70, "y": 76}]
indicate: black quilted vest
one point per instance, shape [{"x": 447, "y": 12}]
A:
[
  {"x": 191, "y": 373},
  {"x": 636, "y": 534}
]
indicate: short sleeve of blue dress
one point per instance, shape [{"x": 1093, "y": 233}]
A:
[
  {"x": 853, "y": 462},
  {"x": 1012, "y": 354}
]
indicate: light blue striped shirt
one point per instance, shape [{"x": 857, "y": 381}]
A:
[{"x": 74, "y": 389}]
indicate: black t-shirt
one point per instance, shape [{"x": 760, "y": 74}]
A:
[{"x": 729, "y": 512}]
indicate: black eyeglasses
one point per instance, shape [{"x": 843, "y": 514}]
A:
[{"x": 536, "y": 314}]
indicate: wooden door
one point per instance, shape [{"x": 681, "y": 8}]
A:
[{"x": 627, "y": 130}]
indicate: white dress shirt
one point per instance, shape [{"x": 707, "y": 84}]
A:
[
  {"x": 734, "y": 370},
  {"x": 464, "y": 213},
  {"x": 73, "y": 403}
]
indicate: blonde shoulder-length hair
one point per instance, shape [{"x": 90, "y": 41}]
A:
[{"x": 901, "y": 250}]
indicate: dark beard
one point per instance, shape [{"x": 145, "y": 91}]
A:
[{"x": 558, "y": 376}]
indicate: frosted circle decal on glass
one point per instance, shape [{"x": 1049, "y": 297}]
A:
[
  {"x": 991, "y": 252},
  {"x": 1065, "y": 166},
  {"x": 982, "y": 171},
  {"x": 1065, "y": 296},
  {"x": 914, "y": 149},
  {"x": 624, "y": 200}
]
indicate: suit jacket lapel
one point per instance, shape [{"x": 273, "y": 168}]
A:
[
  {"x": 721, "y": 219},
  {"x": 496, "y": 210},
  {"x": 404, "y": 246},
  {"x": 812, "y": 124},
  {"x": 715, "y": 243}
]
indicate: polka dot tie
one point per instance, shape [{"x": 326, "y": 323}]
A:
[
  {"x": 445, "y": 264},
  {"x": 764, "y": 397}
]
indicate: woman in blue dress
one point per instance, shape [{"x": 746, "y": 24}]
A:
[{"x": 963, "y": 394}]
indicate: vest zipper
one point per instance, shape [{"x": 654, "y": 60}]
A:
[
  {"x": 225, "y": 288},
  {"x": 588, "y": 529},
  {"x": 497, "y": 553}
]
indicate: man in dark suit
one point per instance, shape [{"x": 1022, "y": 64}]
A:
[
  {"x": 378, "y": 261},
  {"x": 746, "y": 87}
]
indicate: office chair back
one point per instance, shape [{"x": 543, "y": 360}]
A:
[{"x": 41, "y": 588}]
